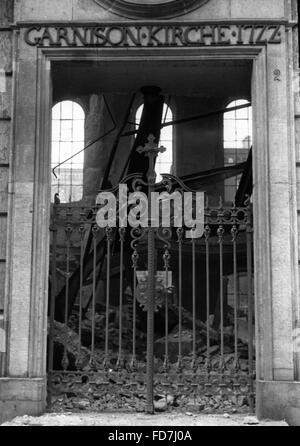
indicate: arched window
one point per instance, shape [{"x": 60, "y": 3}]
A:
[
  {"x": 237, "y": 142},
  {"x": 67, "y": 139},
  {"x": 164, "y": 161}
]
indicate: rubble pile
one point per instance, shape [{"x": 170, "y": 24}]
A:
[
  {"x": 127, "y": 391},
  {"x": 116, "y": 399},
  {"x": 113, "y": 329}
]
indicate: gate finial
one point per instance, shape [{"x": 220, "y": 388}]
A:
[{"x": 151, "y": 150}]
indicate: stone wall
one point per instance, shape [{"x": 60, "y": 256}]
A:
[
  {"x": 296, "y": 81},
  {"x": 296, "y": 87},
  {"x": 6, "y": 73},
  {"x": 83, "y": 10}
]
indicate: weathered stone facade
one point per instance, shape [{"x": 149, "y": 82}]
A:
[
  {"x": 25, "y": 103},
  {"x": 6, "y": 18}
]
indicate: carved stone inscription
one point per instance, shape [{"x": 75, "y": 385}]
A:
[{"x": 163, "y": 35}]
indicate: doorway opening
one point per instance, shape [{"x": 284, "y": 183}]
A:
[{"x": 203, "y": 340}]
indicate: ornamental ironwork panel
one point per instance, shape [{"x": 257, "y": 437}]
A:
[{"x": 146, "y": 318}]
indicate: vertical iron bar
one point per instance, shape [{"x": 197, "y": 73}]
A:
[
  {"x": 180, "y": 233},
  {"x": 134, "y": 258},
  {"x": 52, "y": 307},
  {"x": 151, "y": 150},
  {"x": 134, "y": 318},
  {"x": 150, "y": 320},
  {"x": 94, "y": 292},
  {"x": 166, "y": 258},
  {"x": 250, "y": 309},
  {"x": 166, "y": 324},
  {"x": 235, "y": 300},
  {"x": 108, "y": 236},
  {"x": 236, "y": 366},
  {"x": 221, "y": 301},
  {"x": 134, "y": 321},
  {"x": 122, "y": 233},
  {"x": 220, "y": 235},
  {"x": 207, "y": 234},
  {"x": 194, "y": 302},
  {"x": 81, "y": 230},
  {"x": 65, "y": 360}
]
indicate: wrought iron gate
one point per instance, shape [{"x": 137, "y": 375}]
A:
[{"x": 145, "y": 318}]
